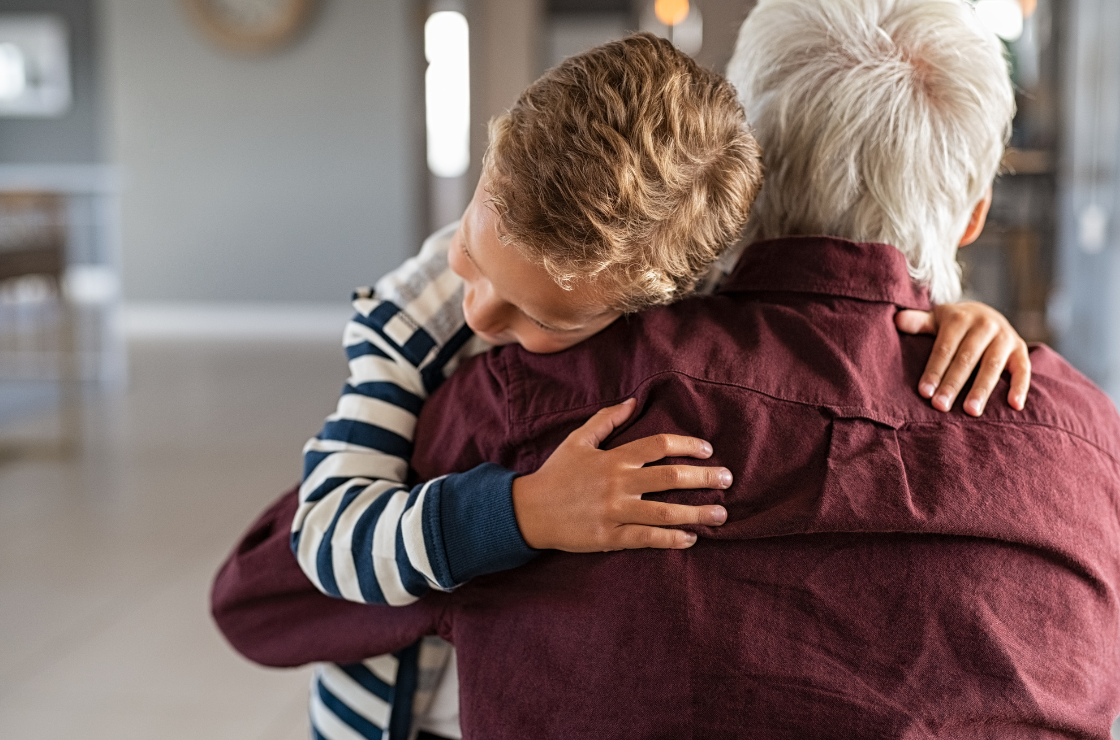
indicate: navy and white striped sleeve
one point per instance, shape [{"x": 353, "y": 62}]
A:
[{"x": 359, "y": 534}]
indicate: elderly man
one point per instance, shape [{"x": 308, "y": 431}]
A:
[{"x": 886, "y": 570}]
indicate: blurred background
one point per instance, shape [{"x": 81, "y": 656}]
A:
[{"x": 189, "y": 191}]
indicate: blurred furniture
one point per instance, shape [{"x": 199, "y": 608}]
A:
[
  {"x": 32, "y": 235},
  {"x": 38, "y": 352}
]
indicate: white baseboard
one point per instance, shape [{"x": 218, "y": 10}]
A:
[{"x": 235, "y": 321}]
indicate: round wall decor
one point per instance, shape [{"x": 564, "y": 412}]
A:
[{"x": 251, "y": 26}]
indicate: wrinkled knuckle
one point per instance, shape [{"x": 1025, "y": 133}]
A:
[
  {"x": 664, "y": 515},
  {"x": 943, "y": 352},
  {"x": 665, "y": 443},
  {"x": 672, "y": 476}
]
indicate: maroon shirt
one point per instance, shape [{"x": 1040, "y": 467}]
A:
[{"x": 886, "y": 570}]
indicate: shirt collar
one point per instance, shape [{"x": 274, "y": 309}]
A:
[{"x": 829, "y": 266}]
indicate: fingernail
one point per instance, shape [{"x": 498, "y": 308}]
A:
[
  {"x": 725, "y": 477},
  {"x": 690, "y": 539},
  {"x": 942, "y": 402},
  {"x": 926, "y": 389},
  {"x": 706, "y": 448},
  {"x": 973, "y": 407},
  {"x": 1020, "y": 402},
  {"x": 719, "y": 515}
]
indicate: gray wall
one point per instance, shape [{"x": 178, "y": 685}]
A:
[
  {"x": 722, "y": 19},
  {"x": 288, "y": 177},
  {"x": 1087, "y": 309},
  {"x": 505, "y": 37},
  {"x": 75, "y": 137}
]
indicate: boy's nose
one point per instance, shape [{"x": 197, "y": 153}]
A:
[{"x": 488, "y": 313}]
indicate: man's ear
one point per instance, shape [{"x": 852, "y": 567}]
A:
[{"x": 976, "y": 222}]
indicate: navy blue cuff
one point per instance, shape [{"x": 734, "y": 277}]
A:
[{"x": 480, "y": 532}]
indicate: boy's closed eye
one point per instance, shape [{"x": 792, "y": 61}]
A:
[{"x": 543, "y": 325}]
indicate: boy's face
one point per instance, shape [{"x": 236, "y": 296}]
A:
[{"x": 509, "y": 299}]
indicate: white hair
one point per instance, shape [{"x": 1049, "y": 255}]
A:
[{"x": 879, "y": 121}]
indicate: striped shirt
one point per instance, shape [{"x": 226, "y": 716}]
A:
[{"x": 360, "y": 534}]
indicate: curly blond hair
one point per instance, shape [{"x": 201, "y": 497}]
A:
[{"x": 629, "y": 166}]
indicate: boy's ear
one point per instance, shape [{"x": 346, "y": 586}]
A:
[{"x": 976, "y": 222}]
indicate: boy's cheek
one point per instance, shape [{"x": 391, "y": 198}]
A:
[
  {"x": 497, "y": 340},
  {"x": 545, "y": 343}
]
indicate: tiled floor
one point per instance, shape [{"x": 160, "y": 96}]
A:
[{"x": 106, "y": 557}]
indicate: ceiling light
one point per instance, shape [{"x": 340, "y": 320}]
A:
[
  {"x": 13, "y": 72},
  {"x": 447, "y": 93},
  {"x": 671, "y": 12},
  {"x": 1003, "y": 17}
]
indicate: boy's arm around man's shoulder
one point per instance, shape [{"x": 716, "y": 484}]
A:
[
  {"x": 271, "y": 613},
  {"x": 360, "y": 533}
]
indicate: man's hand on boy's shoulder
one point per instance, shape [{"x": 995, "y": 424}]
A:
[{"x": 969, "y": 334}]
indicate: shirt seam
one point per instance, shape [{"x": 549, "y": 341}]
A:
[
  {"x": 1047, "y": 425},
  {"x": 508, "y": 389},
  {"x": 829, "y": 289},
  {"x": 895, "y": 422}
]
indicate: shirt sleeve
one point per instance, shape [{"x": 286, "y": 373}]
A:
[
  {"x": 268, "y": 611},
  {"x": 359, "y": 533}
]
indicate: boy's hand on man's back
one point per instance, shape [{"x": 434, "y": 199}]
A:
[
  {"x": 969, "y": 334},
  {"x": 584, "y": 499}
]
